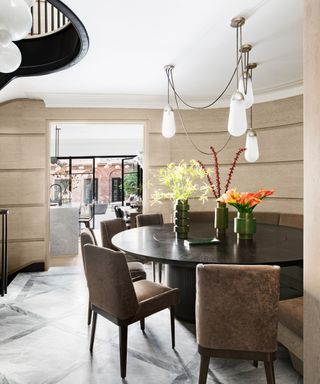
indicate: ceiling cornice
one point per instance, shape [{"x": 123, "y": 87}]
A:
[{"x": 85, "y": 100}]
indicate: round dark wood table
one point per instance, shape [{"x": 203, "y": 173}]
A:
[{"x": 272, "y": 244}]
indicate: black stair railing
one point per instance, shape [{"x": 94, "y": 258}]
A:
[
  {"x": 46, "y": 18},
  {"x": 57, "y": 41}
]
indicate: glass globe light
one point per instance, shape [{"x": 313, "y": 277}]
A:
[
  {"x": 5, "y": 37},
  {"x": 30, "y": 3},
  {"x": 237, "y": 123},
  {"x": 16, "y": 17},
  {"x": 10, "y": 58}
]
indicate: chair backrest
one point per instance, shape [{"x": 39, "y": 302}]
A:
[
  {"x": 237, "y": 307},
  {"x": 267, "y": 217},
  {"x": 109, "y": 282},
  {"x": 109, "y": 228},
  {"x": 85, "y": 211},
  {"x": 119, "y": 213},
  {"x": 149, "y": 219},
  {"x": 291, "y": 220},
  {"x": 201, "y": 217},
  {"x": 86, "y": 237}
]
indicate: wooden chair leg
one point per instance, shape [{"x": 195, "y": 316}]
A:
[
  {"x": 160, "y": 272},
  {"x": 123, "y": 339},
  {"x": 154, "y": 271},
  {"x": 93, "y": 330},
  {"x": 172, "y": 313},
  {"x": 204, "y": 366},
  {"x": 268, "y": 366},
  {"x": 142, "y": 324},
  {"x": 89, "y": 313}
]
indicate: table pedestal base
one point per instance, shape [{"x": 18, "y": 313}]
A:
[{"x": 185, "y": 279}]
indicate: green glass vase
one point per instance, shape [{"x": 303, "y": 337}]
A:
[
  {"x": 221, "y": 218},
  {"x": 181, "y": 219},
  {"x": 245, "y": 225}
]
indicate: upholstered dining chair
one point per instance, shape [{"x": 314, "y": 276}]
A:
[
  {"x": 291, "y": 220},
  {"x": 143, "y": 220},
  {"x": 136, "y": 269},
  {"x": 201, "y": 217},
  {"x": 267, "y": 217},
  {"x": 237, "y": 314},
  {"x": 109, "y": 228},
  {"x": 114, "y": 296}
]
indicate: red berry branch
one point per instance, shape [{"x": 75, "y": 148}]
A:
[
  {"x": 208, "y": 178},
  {"x": 216, "y": 190},
  {"x": 217, "y": 170},
  {"x": 233, "y": 165}
]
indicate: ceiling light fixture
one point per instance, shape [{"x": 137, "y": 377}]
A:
[
  {"x": 241, "y": 99},
  {"x": 15, "y": 24}
]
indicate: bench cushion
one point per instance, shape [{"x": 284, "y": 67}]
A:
[{"x": 291, "y": 314}]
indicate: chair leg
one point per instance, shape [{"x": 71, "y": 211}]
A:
[
  {"x": 142, "y": 324},
  {"x": 160, "y": 272},
  {"x": 154, "y": 271},
  {"x": 268, "y": 366},
  {"x": 172, "y": 313},
  {"x": 204, "y": 366},
  {"x": 255, "y": 363},
  {"x": 93, "y": 330},
  {"x": 123, "y": 339},
  {"x": 89, "y": 313}
]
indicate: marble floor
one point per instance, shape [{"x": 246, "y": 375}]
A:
[{"x": 44, "y": 339}]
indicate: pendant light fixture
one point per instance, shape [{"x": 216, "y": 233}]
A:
[
  {"x": 237, "y": 122},
  {"x": 252, "y": 149},
  {"x": 241, "y": 99},
  {"x": 168, "y": 123}
]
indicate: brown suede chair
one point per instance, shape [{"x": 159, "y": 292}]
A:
[
  {"x": 291, "y": 220},
  {"x": 115, "y": 297},
  {"x": 201, "y": 217},
  {"x": 237, "y": 314},
  {"x": 109, "y": 228},
  {"x": 144, "y": 220},
  {"x": 267, "y": 217},
  {"x": 136, "y": 269}
]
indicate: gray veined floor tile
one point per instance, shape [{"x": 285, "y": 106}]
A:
[
  {"x": 43, "y": 356},
  {"x": 15, "y": 322}
]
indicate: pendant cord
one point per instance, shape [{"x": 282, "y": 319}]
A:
[{"x": 171, "y": 82}]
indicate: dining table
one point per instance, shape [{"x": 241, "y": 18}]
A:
[{"x": 271, "y": 245}]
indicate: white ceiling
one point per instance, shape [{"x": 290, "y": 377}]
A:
[{"x": 132, "y": 40}]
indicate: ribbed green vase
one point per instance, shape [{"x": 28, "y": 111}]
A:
[
  {"x": 221, "y": 217},
  {"x": 244, "y": 225},
  {"x": 181, "y": 219}
]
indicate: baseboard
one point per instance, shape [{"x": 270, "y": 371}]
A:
[{"x": 34, "y": 267}]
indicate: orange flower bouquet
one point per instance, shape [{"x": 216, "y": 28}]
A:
[{"x": 244, "y": 202}]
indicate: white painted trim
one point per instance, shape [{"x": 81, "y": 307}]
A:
[{"x": 78, "y": 100}]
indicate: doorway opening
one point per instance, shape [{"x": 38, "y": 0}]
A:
[{"x": 96, "y": 167}]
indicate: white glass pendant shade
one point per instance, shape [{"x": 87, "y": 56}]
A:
[
  {"x": 10, "y": 58},
  {"x": 248, "y": 97},
  {"x": 237, "y": 123},
  {"x": 168, "y": 123},
  {"x": 5, "y": 37},
  {"x": 30, "y": 3},
  {"x": 16, "y": 17},
  {"x": 252, "y": 149}
]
